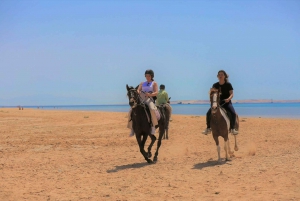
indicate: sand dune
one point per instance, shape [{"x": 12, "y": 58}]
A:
[{"x": 76, "y": 155}]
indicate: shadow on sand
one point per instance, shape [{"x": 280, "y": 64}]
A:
[
  {"x": 124, "y": 167},
  {"x": 210, "y": 163}
]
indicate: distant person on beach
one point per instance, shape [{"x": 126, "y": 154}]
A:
[
  {"x": 163, "y": 98},
  {"x": 148, "y": 91},
  {"x": 225, "y": 101}
]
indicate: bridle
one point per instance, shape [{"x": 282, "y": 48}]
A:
[
  {"x": 134, "y": 98},
  {"x": 215, "y": 100}
]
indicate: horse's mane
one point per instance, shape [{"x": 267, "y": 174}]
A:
[{"x": 212, "y": 90}]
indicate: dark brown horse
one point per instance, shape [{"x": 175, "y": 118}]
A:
[
  {"x": 168, "y": 109},
  {"x": 220, "y": 124},
  {"x": 140, "y": 117}
]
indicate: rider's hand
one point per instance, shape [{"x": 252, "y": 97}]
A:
[{"x": 227, "y": 100}]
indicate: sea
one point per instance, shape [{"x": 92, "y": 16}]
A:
[{"x": 268, "y": 110}]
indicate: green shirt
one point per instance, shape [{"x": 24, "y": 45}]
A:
[{"x": 162, "y": 97}]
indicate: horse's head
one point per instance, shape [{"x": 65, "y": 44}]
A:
[
  {"x": 214, "y": 98},
  {"x": 132, "y": 95}
]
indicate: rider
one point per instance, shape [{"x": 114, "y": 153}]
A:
[
  {"x": 225, "y": 101},
  {"x": 163, "y": 98},
  {"x": 149, "y": 90}
]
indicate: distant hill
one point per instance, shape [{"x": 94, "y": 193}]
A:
[{"x": 236, "y": 101}]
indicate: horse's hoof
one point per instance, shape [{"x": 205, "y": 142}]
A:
[
  {"x": 149, "y": 161},
  {"x": 228, "y": 159},
  {"x": 149, "y": 155},
  {"x": 155, "y": 159},
  {"x": 236, "y": 148}
]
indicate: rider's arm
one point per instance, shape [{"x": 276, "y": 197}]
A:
[
  {"x": 230, "y": 97},
  {"x": 140, "y": 88}
]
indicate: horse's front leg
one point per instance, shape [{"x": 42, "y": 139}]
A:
[
  {"x": 227, "y": 149},
  {"x": 236, "y": 148},
  {"x": 141, "y": 143},
  {"x": 231, "y": 153},
  {"x": 218, "y": 147},
  {"x": 153, "y": 139},
  {"x": 161, "y": 133},
  {"x": 167, "y": 134}
]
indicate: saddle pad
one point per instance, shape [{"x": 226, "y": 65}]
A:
[{"x": 224, "y": 114}]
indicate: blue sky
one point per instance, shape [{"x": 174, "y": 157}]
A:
[{"x": 85, "y": 52}]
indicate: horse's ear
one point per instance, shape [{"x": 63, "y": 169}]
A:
[
  {"x": 137, "y": 87},
  {"x": 169, "y": 98},
  {"x": 127, "y": 87}
]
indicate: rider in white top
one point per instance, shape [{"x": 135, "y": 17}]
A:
[
  {"x": 147, "y": 90},
  {"x": 147, "y": 87}
]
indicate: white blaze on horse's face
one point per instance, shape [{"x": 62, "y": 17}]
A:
[{"x": 215, "y": 98}]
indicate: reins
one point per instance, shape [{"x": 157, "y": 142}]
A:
[
  {"x": 141, "y": 103},
  {"x": 223, "y": 103}
]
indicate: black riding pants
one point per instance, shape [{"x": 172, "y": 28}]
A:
[{"x": 231, "y": 113}]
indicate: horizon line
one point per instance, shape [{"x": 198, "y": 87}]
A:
[{"x": 172, "y": 102}]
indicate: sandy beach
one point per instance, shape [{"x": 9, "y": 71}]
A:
[{"x": 85, "y": 155}]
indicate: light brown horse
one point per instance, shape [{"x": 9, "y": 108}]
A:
[{"x": 220, "y": 124}]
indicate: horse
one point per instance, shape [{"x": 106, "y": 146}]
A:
[
  {"x": 140, "y": 117},
  {"x": 220, "y": 124},
  {"x": 168, "y": 110}
]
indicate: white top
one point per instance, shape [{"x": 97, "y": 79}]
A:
[{"x": 147, "y": 87}]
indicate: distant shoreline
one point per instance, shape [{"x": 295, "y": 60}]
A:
[
  {"x": 236, "y": 101},
  {"x": 172, "y": 102}
]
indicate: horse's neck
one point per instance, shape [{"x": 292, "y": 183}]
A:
[
  {"x": 224, "y": 114},
  {"x": 138, "y": 111},
  {"x": 222, "y": 109}
]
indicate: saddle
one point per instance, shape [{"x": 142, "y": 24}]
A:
[{"x": 159, "y": 112}]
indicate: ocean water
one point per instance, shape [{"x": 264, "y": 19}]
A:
[{"x": 273, "y": 110}]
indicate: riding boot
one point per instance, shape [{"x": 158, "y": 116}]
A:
[
  {"x": 153, "y": 130},
  {"x": 131, "y": 133}
]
